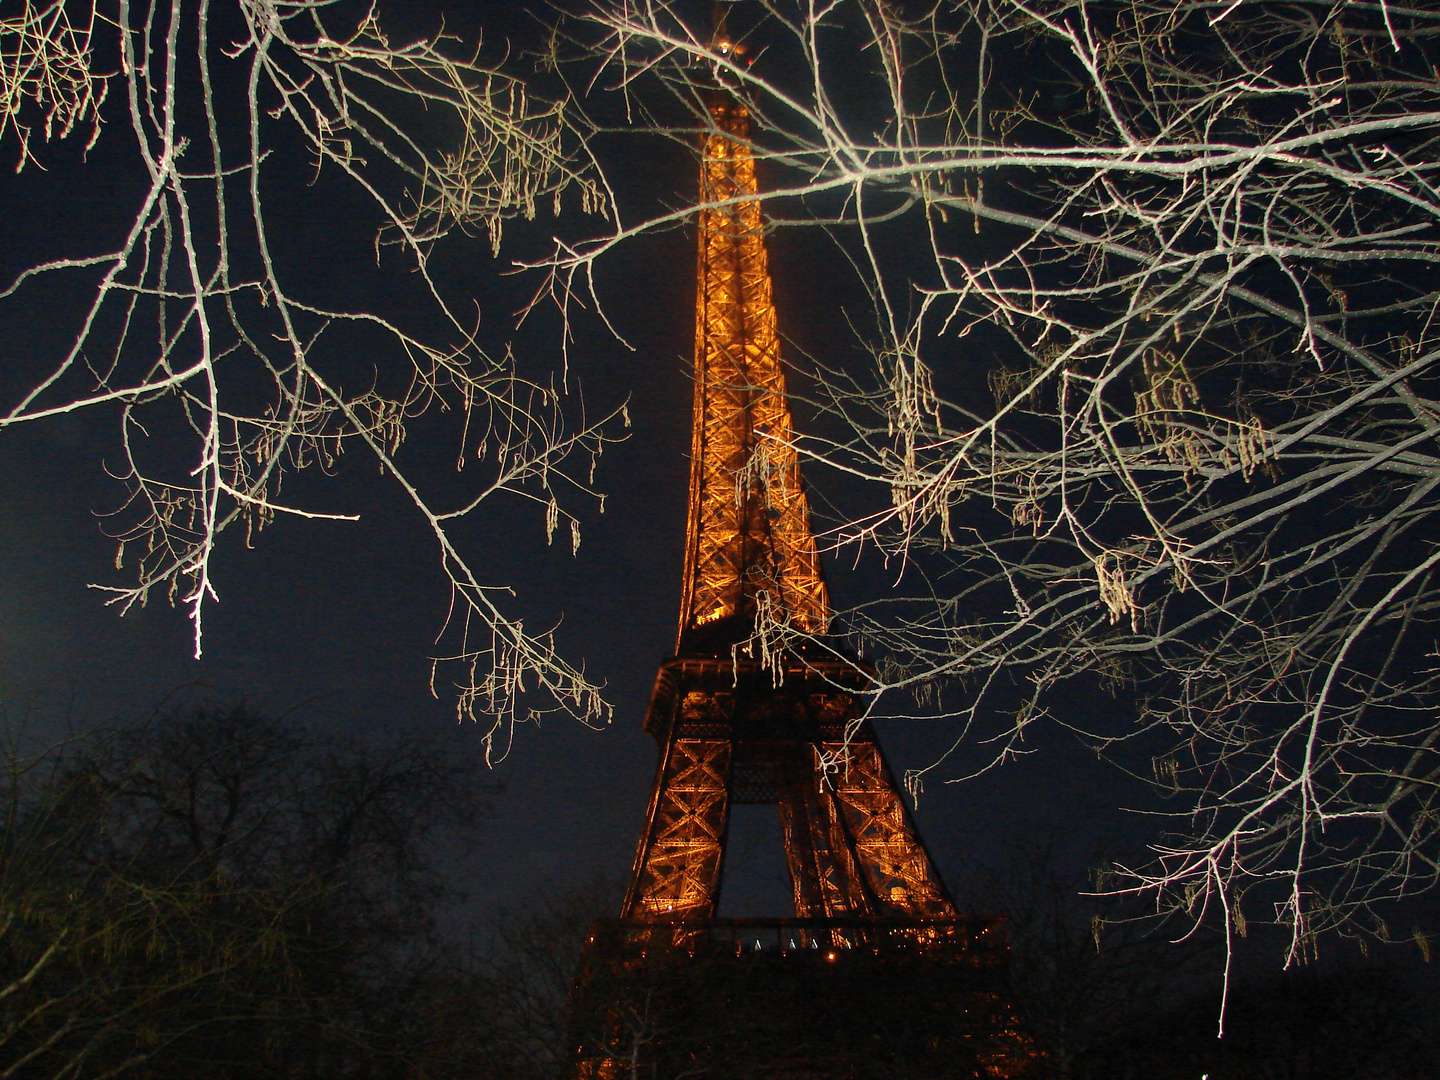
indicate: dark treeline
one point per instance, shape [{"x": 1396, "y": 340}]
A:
[
  {"x": 1109, "y": 995},
  {"x": 216, "y": 893},
  {"x": 211, "y": 892},
  {"x": 1366, "y": 1024}
]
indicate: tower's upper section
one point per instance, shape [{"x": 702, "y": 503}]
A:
[{"x": 749, "y": 548}]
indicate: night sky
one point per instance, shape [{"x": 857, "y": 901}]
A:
[{"x": 336, "y": 621}]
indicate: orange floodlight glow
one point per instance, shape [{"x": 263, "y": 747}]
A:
[{"x": 749, "y": 519}]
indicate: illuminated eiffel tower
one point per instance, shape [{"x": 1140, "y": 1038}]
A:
[
  {"x": 730, "y": 730},
  {"x": 876, "y": 974}
]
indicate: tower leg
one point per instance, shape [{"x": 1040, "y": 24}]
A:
[
  {"x": 897, "y": 869},
  {"x": 677, "y": 866},
  {"x": 827, "y": 880}
]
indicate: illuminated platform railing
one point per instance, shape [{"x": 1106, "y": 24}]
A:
[{"x": 980, "y": 939}]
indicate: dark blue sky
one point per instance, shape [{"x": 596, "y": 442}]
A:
[{"x": 337, "y": 620}]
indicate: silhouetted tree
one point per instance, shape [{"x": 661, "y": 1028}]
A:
[
  {"x": 1364, "y": 1024},
  {"x": 218, "y": 892},
  {"x": 1080, "y": 965}
]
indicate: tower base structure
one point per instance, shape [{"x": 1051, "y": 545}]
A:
[
  {"x": 735, "y": 730},
  {"x": 797, "y": 999},
  {"x": 876, "y": 977}
]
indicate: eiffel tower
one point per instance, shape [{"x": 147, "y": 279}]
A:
[{"x": 876, "y": 974}]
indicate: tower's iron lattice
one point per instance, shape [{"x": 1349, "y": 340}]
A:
[
  {"x": 749, "y": 539},
  {"x": 876, "y": 966}
]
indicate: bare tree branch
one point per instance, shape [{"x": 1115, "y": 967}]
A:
[
  {"x": 200, "y": 333},
  {"x": 1192, "y": 249}
]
